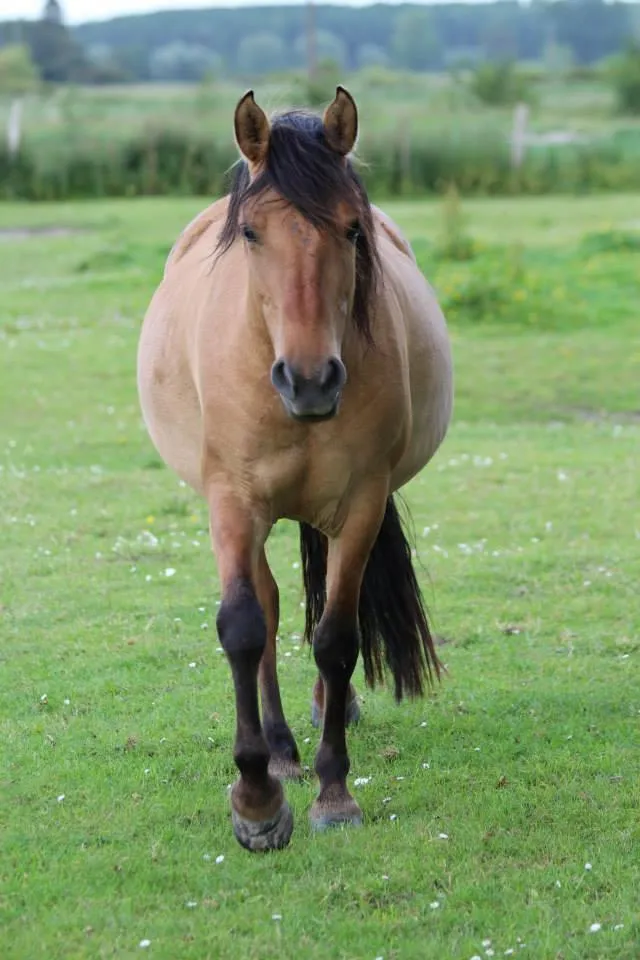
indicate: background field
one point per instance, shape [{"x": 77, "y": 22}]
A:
[
  {"x": 485, "y": 803},
  {"x": 419, "y": 132}
]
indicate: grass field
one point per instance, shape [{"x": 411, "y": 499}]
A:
[
  {"x": 502, "y": 809},
  {"x": 386, "y": 99}
]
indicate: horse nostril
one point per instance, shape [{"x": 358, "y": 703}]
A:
[
  {"x": 310, "y": 396},
  {"x": 284, "y": 379},
  {"x": 333, "y": 375}
]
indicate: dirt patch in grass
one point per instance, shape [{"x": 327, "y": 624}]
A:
[
  {"x": 27, "y": 233},
  {"x": 602, "y": 416}
]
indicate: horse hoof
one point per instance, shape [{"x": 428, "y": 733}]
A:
[
  {"x": 352, "y": 716},
  {"x": 284, "y": 768},
  {"x": 259, "y": 836},
  {"x": 325, "y": 816}
]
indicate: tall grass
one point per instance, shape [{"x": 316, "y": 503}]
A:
[
  {"x": 419, "y": 135},
  {"x": 164, "y": 162}
]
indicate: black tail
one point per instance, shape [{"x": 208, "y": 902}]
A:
[{"x": 393, "y": 624}]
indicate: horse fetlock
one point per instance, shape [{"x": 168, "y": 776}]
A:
[
  {"x": 331, "y": 766},
  {"x": 284, "y": 762},
  {"x": 257, "y": 798},
  {"x": 284, "y": 767},
  {"x": 280, "y": 740},
  {"x": 317, "y": 714},
  {"x": 251, "y": 755},
  {"x": 335, "y": 807},
  {"x": 352, "y": 712}
]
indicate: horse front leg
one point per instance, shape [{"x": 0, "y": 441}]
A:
[
  {"x": 336, "y": 647},
  {"x": 285, "y": 758},
  {"x": 261, "y": 816}
]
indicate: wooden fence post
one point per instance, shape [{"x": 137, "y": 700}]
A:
[
  {"x": 518, "y": 135},
  {"x": 14, "y": 128}
]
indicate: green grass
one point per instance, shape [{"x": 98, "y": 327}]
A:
[
  {"x": 115, "y": 695},
  {"x": 386, "y": 99}
]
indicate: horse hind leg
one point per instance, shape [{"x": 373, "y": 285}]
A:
[
  {"x": 284, "y": 762},
  {"x": 313, "y": 549},
  {"x": 336, "y": 647},
  {"x": 261, "y": 817},
  {"x": 352, "y": 716}
]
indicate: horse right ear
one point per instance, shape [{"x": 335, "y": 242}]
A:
[
  {"x": 341, "y": 122},
  {"x": 252, "y": 129}
]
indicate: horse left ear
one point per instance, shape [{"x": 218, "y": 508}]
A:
[
  {"x": 252, "y": 129},
  {"x": 341, "y": 122}
]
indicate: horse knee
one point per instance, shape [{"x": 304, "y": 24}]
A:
[
  {"x": 241, "y": 623},
  {"x": 336, "y": 647}
]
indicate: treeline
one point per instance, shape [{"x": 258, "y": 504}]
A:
[
  {"x": 190, "y": 44},
  {"x": 55, "y": 53},
  {"x": 408, "y": 36}
]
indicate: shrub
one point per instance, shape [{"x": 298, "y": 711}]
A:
[
  {"x": 610, "y": 241},
  {"x": 320, "y": 89},
  {"x": 625, "y": 76},
  {"x": 500, "y": 84},
  {"x": 18, "y": 73},
  {"x": 474, "y": 158},
  {"x": 454, "y": 243}
]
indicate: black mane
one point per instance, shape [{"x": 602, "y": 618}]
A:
[{"x": 303, "y": 169}]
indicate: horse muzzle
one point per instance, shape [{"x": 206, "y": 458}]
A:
[{"x": 310, "y": 399}]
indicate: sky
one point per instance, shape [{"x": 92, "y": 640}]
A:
[{"x": 78, "y": 11}]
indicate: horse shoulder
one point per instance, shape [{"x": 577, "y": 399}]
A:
[
  {"x": 190, "y": 236},
  {"x": 392, "y": 231}
]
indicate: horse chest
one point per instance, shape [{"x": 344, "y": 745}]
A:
[{"x": 304, "y": 481}]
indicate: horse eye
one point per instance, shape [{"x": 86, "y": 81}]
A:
[
  {"x": 249, "y": 234},
  {"x": 353, "y": 232}
]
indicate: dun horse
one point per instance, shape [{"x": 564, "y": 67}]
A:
[{"x": 294, "y": 363}]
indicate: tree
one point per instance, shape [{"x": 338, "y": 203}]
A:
[
  {"x": 133, "y": 60},
  {"x": 558, "y": 58},
  {"x": 499, "y": 84},
  {"x": 413, "y": 43},
  {"x": 416, "y": 37},
  {"x": 52, "y": 13},
  {"x": 261, "y": 53},
  {"x": 371, "y": 55},
  {"x": 18, "y": 76},
  {"x": 184, "y": 62},
  {"x": 498, "y": 35},
  {"x": 105, "y": 67},
  {"x": 329, "y": 48},
  {"x": 58, "y": 56},
  {"x": 625, "y": 75},
  {"x": 18, "y": 73}
]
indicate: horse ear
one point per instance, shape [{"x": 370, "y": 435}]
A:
[
  {"x": 341, "y": 122},
  {"x": 251, "y": 129}
]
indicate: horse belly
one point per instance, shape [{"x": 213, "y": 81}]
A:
[
  {"x": 168, "y": 396},
  {"x": 429, "y": 429},
  {"x": 431, "y": 390}
]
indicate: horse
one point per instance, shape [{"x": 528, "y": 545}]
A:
[{"x": 294, "y": 363}]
